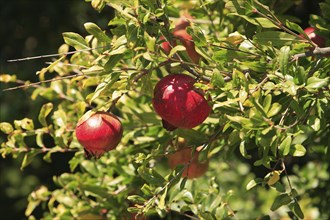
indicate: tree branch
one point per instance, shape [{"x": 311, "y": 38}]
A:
[{"x": 317, "y": 51}]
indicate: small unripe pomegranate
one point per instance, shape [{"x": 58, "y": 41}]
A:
[
  {"x": 179, "y": 103},
  {"x": 99, "y": 133},
  {"x": 195, "y": 169},
  {"x": 320, "y": 41}
]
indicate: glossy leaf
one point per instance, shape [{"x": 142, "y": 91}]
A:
[
  {"x": 151, "y": 176},
  {"x": 75, "y": 40},
  {"x": 275, "y": 38},
  {"x": 96, "y": 31},
  {"x": 284, "y": 59},
  {"x": 298, "y": 150},
  {"x": 285, "y": 146},
  {"x": 281, "y": 200},
  {"x": 297, "y": 210},
  {"x": 254, "y": 183},
  {"x": 314, "y": 83}
]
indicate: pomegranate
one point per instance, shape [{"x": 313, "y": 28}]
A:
[
  {"x": 187, "y": 41},
  {"x": 193, "y": 170},
  {"x": 180, "y": 35},
  {"x": 320, "y": 41},
  {"x": 99, "y": 133},
  {"x": 179, "y": 103}
]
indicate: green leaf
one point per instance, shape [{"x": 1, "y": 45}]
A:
[
  {"x": 243, "y": 151},
  {"x": 104, "y": 86},
  {"x": 281, "y": 200},
  {"x": 245, "y": 122},
  {"x": 263, "y": 22},
  {"x": 113, "y": 60},
  {"x": 45, "y": 110},
  {"x": 274, "y": 110},
  {"x": 285, "y": 146},
  {"x": 161, "y": 204},
  {"x": 49, "y": 67},
  {"x": 192, "y": 136},
  {"x": 176, "y": 49},
  {"x": 25, "y": 123},
  {"x": 276, "y": 38},
  {"x": 96, "y": 31},
  {"x": 120, "y": 50},
  {"x": 290, "y": 87},
  {"x": 136, "y": 199},
  {"x": 94, "y": 190},
  {"x": 267, "y": 102},
  {"x": 298, "y": 150},
  {"x": 76, "y": 160},
  {"x": 98, "y": 4},
  {"x": 295, "y": 27},
  {"x": 151, "y": 176},
  {"x": 6, "y": 127},
  {"x": 75, "y": 40},
  {"x": 183, "y": 182},
  {"x": 29, "y": 156},
  {"x": 279, "y": 187},
  {"x": 314, "y": 83},
  {"x": 217, "y": 78},
  {"x": 198, "y": 36},
  {"x": 90, "y": 167},
  {"x": 284, "y": 59},
  {"x": 297, "y": 210},
  {"x": 254, "y": 183}
]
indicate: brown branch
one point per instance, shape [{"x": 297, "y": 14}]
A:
[
  {"x": 35, "y": 84},
  {"x": 55, "y": 54},
  {"x": 42, "y": 150},
  {"x": 325, "y": 51}
]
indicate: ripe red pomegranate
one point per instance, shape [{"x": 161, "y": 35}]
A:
[
  {"x": 195, "y": 169},
  {"x": 320, "y": 41},
  {"x": 99, "y": 133},
  {"x": 179, "y": 103}
]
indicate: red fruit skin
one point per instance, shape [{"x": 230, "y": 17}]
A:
[
  {"x": 166, "y": 45},
  {"x": 177, "y": 101},
  {"x": 183, "y": 22},
  {"x": 320, "y": 41},
  {"x": 183, "y": 156},
  {"x": 187, "y": 41},
  {"x": 100, "y": 133},
  {"x": 180, "y": 35}
]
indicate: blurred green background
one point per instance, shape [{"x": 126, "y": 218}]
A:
[{"x": 32, "y": 28}]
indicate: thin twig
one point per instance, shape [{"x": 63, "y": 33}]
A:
[
  {"x": 286, "y": 174},
  {"x": 43, "y": 81},
  {"x": 55, "y": 54},
  {"x": 283, "y": 27}
]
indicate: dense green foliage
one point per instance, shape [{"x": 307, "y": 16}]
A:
[{"x": 267, "y": 138}]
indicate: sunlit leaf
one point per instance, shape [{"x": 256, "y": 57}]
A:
[{"x": 45, "y": 110}]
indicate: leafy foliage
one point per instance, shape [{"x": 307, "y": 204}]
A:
[{"x": 270, "y": 111}]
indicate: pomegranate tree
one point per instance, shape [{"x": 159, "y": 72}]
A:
[
  {"x": 98, "y": 133},
  {"x": 179, "y": 103}
]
